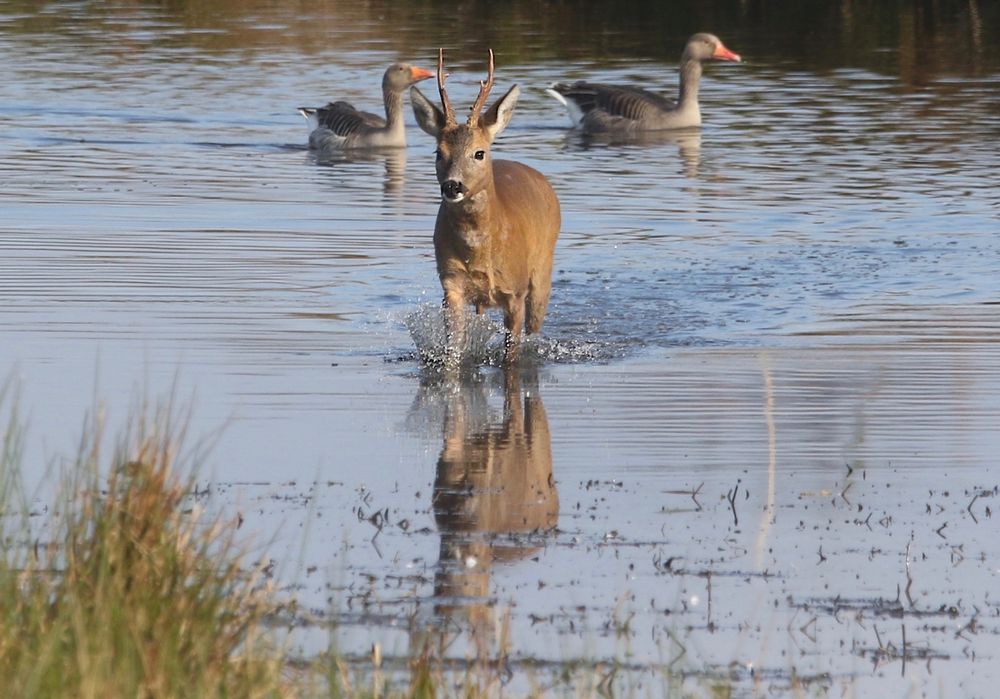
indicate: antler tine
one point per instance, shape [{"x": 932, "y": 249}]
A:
[
  {"x": 449, "y": 113},
  {"x": 484, "y": 92}
]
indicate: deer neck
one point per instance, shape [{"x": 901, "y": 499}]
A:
[{"x": 474, "y": 220}]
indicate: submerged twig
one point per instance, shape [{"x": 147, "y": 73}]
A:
[
  {"x": 903, "y": 669},
  {"x": 909, "y": 578},
  {"x": 843, "y": 493},
  {"x": 731, "y": 497},
  {"x": 692, "y": 493}
]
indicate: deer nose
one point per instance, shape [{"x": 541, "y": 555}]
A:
[{"x": 453, "y": 190}]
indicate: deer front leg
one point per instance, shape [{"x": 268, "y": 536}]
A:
[
  {"x": 513, "y": 320},
  {"x": 454, "y": 323}
]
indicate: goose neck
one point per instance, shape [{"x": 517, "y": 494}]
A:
[
  {"x": 393, "y": 110},
  {"x": 690, "y": 71}
]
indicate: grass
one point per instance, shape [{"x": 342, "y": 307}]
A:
[{"x": 125, "y": 588}]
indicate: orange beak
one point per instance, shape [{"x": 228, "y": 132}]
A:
[
  {"x": 418, "y": 74},
  {"x": 724, "y": 54}
]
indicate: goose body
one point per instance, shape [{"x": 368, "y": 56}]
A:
[
  {"x": 340, "y": 126},
  {"x": 598, "y": 108}
]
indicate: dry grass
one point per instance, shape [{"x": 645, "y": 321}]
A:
[{"x": 125, "y": 589}]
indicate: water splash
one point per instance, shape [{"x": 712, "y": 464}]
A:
[{"x": 484, "y": 342}]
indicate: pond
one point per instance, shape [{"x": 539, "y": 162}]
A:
[{"x": 757, "y": 442}]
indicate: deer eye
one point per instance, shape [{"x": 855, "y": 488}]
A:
[
  {"x": 480, "y": 154},
  {"x": 437, "y": 154}
]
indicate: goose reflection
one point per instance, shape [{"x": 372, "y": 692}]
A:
[
  {"x": 687, "y": 142},
  {"x": 494, "y": 494},
  {"x": 358, "y": 165}
]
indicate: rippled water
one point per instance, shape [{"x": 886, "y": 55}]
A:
[{"x": 799, "y": 296}]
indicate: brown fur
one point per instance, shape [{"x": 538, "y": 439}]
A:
[
  {"x": 495, "y": 243},
  {"x": 509, "y": 263}
]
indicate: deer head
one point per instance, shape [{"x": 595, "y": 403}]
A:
[{"x": 464, "y": 169}]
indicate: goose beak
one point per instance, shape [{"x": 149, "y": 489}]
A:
[
  {"x": 418, "y": 74},
  {"x": 724, "y": 54}
]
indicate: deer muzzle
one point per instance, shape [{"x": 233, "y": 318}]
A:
[{"x": 453, "y": 190}]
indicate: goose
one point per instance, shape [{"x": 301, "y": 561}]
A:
[
  {"x": 595, "y": 108},
  {"x": 339, "y": 126}
]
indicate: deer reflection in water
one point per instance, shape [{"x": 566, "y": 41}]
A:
[{"x": 494, "y": 494}]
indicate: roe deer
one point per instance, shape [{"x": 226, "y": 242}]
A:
[{"x": 498, "y": 221}]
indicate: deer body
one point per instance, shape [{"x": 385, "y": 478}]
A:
[
  {"x": 498, "y": 221},
  {"x": 493, "y": 256}
]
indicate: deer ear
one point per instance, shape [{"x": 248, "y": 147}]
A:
[
  {"x": 498, "y": 116},
  {"x": 429, "y": 116}
]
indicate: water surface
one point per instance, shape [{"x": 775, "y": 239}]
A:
[{"x": 758, "y": 438}]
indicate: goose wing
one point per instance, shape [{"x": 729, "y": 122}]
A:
[
  {"x": 343, "y": 119},
  {"x": 615, "y": 100}
]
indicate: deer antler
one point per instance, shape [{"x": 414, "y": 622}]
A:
[
  {"x": 484, "y": 92},
  {"x": 449, "y": 113}
]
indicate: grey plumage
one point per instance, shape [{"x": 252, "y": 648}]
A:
[
  {"x": 339, "y": 125},
  {"x": 597, "y": 108}
]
